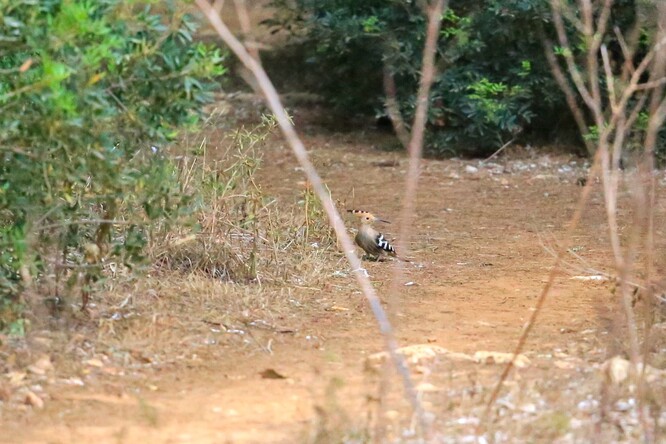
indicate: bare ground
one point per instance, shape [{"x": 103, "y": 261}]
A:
[{"x": 480, "y": 251}]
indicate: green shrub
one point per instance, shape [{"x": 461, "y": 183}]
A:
[
  {"x": 493, "y": 79},
  {"x": 88, "y": 90},
  {"x": 493, "y": 82}
]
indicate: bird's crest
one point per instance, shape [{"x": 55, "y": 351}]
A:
[{"x": 367, "y": 216}]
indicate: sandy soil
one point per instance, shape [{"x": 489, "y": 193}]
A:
[{"x": 480, "y": 257}]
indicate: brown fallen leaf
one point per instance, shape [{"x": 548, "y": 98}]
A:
[
  {"x": 269, "y": 373},
  {"x": 139, "y": 356}
]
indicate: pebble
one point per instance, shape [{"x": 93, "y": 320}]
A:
[{"x": 33, "y": 400}]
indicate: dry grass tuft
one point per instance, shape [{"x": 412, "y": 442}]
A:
[
  {"x": 241, "y": 234},
  {"x": 237, "y": 261}
]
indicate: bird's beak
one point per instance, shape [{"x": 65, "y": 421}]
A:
[{"x": 382, "y": 220}]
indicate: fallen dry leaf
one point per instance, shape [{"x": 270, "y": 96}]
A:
[{"x": 269, "y": 373}]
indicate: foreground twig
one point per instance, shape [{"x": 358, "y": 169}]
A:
[
  {"x": 300, "y": 152},
  {"x": 613, "y": 114},
  {"x": 393, "y": 109},
  {"x": 496, "y": 153},
  {"x": 416, "y": 141},
  {"x": 415, "y": 145}
]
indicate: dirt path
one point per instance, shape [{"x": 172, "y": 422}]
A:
[{"x": 480, "y": 251}]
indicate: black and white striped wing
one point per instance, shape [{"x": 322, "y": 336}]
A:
[{"x": 384, "y": 244}]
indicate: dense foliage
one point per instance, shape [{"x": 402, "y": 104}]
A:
[
  {"x": 88, "y": 90},
  {"x": 494, "y": 80}
]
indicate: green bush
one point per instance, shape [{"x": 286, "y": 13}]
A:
[
  {"x": 493, "y": 79},
  {"x": 88, "y": 90}
]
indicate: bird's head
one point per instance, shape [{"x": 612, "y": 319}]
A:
[{"x": 367, "y": 217}]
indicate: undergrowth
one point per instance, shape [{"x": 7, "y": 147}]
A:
[{"x": 240, "y": 234}]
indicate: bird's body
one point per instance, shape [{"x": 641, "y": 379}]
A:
[
  {"x": 373, "y": 242},
  {"x": 369, "y": 239}
]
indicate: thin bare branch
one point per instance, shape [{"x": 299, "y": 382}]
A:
[
  {"x": 610, "y": 81},
  {"x": 393, "y": 109},
  {"x": 416, "y": 142},
  {"x": 651, "y": 84},
  {"x": 246, "y": 28},
  {"x": 636, "y": 110},
  {"x": 557, "y": 7},
  {"x": 655, "y": 123},
  {"x": 627, "y": 53},
  {"x": 613, "y": 130},
  {"x": 415, "y": 147},
  {"x": 593, "y": 39},
  {"x": 496, "y": 153},
  {"x": 420, "y": 118},
  {"x": 300, "y": 152},
  {"x": 554, "y": 272},
  {"x": 218, "y": 5},
  {"x": 569, "y": 94},
  {"x": 602, "y": 22}
]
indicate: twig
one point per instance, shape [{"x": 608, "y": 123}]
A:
[
  {"x": 300, "y": 152},
  {"x": 66, "y": 223},
  {"x": 569, "y": 94},
  {"x": 575, "y": 219},
  {"x": 246, "y": 28},
  {"x": 500, "y": 150},
  {"x": 416, "y": 141},
  {"x": 415, "y": 147},
  {"x": 613, "y": 130},
  {"x": 218, "y": 5},
  {"x": 557, "y": 7},
  {"x": 393, "y": 109}
]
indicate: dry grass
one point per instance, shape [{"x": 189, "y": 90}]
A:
[
  {"x": 244, "y": 260},
  {"x": 247, "y": 264},
  {"x": 238, "y": 261}
]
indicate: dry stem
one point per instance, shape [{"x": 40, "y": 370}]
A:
[
  {"x": 613, "y": 122},
  {"x": 573, "y": 223},
  {"x": 300, "y": 152},
  {"x": 393, "y": 109},
  {"x": 416, "y": 141}
]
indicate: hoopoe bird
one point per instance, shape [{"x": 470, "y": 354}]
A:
[{"x": 370, "y": 240}]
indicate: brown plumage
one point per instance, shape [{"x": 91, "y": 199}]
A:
[{"x": 369, "y": 239}]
